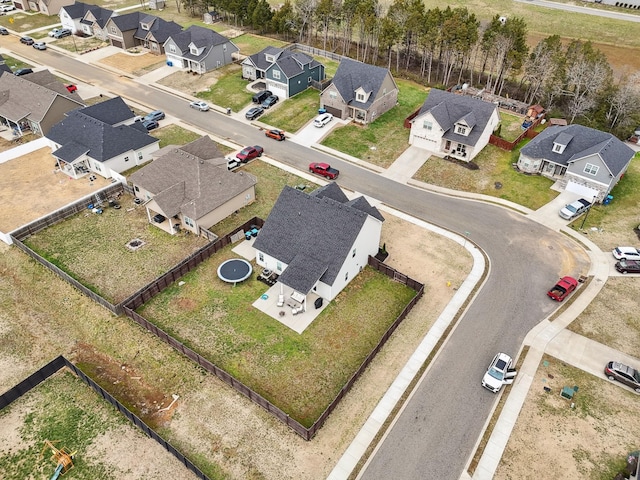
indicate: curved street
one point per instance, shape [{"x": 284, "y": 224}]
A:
[{"x": 439, "y": 427}]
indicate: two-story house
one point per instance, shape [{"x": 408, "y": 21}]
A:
[
  {"x": 199, "y": 49},
  {"x": 286, "y": 72},
  {"x": 94, "y": 22},
  {"x": 139, "y": 29},
  {"x": 46, "y": 7},
  {"x": 456, "y": 125},
  {"x": 71, "y": 16}
]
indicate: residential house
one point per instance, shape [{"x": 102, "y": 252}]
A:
[
  {"x": 139, "y": 29},
  {"x": 318, "y": 242},
  {"x": 583, "y": 160},
  {"x": 46, "y": 7},
  {"x": 199, "y": 49},
  {"x": 190, "y": 187},
  {"x": 71, "y": 15},
  {"x": 98, "y": 140},
  {"x": 454, "y": 124},
  {"x": 4, "y": 67},
  {"x": 34, "y": 102},
  {"x": 359, "y": 91},
  {"x": 286, "y": 72},
  {"x": 94, "y": 22}
]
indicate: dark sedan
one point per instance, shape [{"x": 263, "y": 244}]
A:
[
  {"x": 27, "y": 40},
  {"x": 623, "y": 374},
  {"x": 270, "y": 101},
  {"x": 628, "y": 266},
  {"x": 150, "y": 124},
  {"x": 253, "y": 113}
]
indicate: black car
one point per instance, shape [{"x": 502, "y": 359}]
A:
[
  {"x": 270, "y": 101},
  {"x": 22, "y": 71},
  {"x": 624, "y": 374},
  {"x": 27, "y": 40},
  {"x": 261, "y": 96},
  {"x": 254, "y": 113},
  {"x": 628, "y": 266}
]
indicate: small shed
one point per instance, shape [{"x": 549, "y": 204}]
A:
[
  {"x": 211, "y": 17},
  {"x": 156, "y": 4},
  {"x": 557, "y": 121}
]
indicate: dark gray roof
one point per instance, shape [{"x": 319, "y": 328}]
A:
[
  {"x": 201, "y": 37},
  {"x": 352, "y": 75},
  {"x": 583, "y": 141},
  {"x": 102, "y": 15},
  {"x": 110, "y": 111},
  {"x": 160, "y": 29},
  {"x": 361, "y": 204},
  {"x": 70, "y": 152},
  {"x": 316, "y": 228},
  {"x": 292, "y": 63},
  {"x": 48, "y": 80},
  {"x": 101, "y": 140},
  {"x": 78, "y": 9},
  {"x": 259, "y": 59},
  {"x": 127, "y": 21},
  {"x": 449, "y": 108},
  {"x": 332, "y": 191}
]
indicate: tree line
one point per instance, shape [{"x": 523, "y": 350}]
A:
[{"x": 449, "y": 46}]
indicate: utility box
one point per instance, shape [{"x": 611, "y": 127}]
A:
[{"x": 318, "y": 303}]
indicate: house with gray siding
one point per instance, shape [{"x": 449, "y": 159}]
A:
[
  {"x": 98, "y": 140},
  {"x": 71, "y": 15},
  {"x": 286, "y": 72},
  {"x": 190, "y": 188},
  {"x": 198, "y": 49},
  {"x": 318, "y": 242},
  {"x": 453, "y": 124},
  {"x": 359, "y": 91},
  {"x": 139, "y": 29},
  {"x": 94, "y": 22},
  {"x": 582, "y": 160}
]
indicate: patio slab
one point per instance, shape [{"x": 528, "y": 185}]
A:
[{"x": 268, "y": 303}]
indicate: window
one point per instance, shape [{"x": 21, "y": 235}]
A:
[
  {"x": 360, "y": 97},
  {"x": 224, "y": 47},
  {"x": 261, "y": 257},
  {"x": 557, "y": 148},
  {"x": 309, "y": 79},
  {"x": 193, "y": 50},
  {"x": 591, "y": 169},
  {"x": 353, "y": 254},
  {"x": 346, "y": 276},
  {"x": 136, "y": 188},
  {"x": 333, "y": 94},
  {"x": 279, "y": 266},
  {"x": 140, "y": 156},
  {"x": 189, "y": 222},
  {"x": 270, "y": 58},
  {"x": 276, "y": 74},
  {"x": 427, "y": 125},
  {"x": 172, "y": 48},
  {"x": 461, "y": 130},
  {"x": 126, "y": 159}
]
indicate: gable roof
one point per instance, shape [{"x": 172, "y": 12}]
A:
[
  {"x": 199, "y": 36},
  {"x": 291, "y": 63},
  {"x": 312, "y": 234},
  {"x": 352, "y": 75},
  {"x": 580, "y": 142},
  {"x": 111, "y": 111},
  {"x": 101, "y": 15},
  {"x": 259, "y": 60},
  {"x": 185, "y": 183},
  {"x": 48, "y": 80},
  {"x": 451, "y": 108},
  {"x": 78, "y": 9},
  {"x": 100, "y": 140},
  {"x": 160, "y": 29}
]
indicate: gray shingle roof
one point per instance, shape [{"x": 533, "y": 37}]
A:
[
  {"x": 102, "y": 15},
  {"x": 111, "y": 111},
  {"x": 332, "y": 191},
  {"x": 48, "y": 80},
  {"x": 259, "y": 59},
  {"x": 160, "y": 29},
  {"x": 449, "y": 108},
  {"x": 78, "y": 9},
  {"x": 184, "y": 183},
  {"x": 352, "y": 75},
  {"x": 201, "y": 37},
  {"x": 580, "y": 141},
  {"x": 305, "y": 228}
]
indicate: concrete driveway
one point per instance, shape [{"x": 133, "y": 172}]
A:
[{"x": 548, "y": 214}]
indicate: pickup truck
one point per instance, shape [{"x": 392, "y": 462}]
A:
[
  {"x": 249, "y": 153},
  {"x": 563, "y": 288},
  {"x": 574, "y": 209},
  {"x": 324, "y": 170}
]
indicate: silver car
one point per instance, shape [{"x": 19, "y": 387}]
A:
[{"x": 499, "y": 373}]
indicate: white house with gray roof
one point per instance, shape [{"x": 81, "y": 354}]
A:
[
  {"x": 452, "y": 124},
  {"x": 582, "y": 160},
  {"x": 96, "y": 139},
  {"x": 359, "y": 91},
  {"x": 199, "y": 49},
  {"x": 190, "y": 187},
  {"x": 318, "y": 242}
]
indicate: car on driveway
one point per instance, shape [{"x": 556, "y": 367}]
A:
[
  {"x": 249, "y": 153},
  {"x": 40, "y": 46},
  {"x": 7, "y": 8},
  {"x": 275, "y": 134},
  {"x": 626, "y": 253},
  {"x": 156, "y": 115},
  {"x": 150, "y": 124},
  {"x": 27, "y": 40},
  {"x": 628, "y": 266},
  {"x": 71, "y": 87},
  {"x": 253, "y": 113},
  {"x": 499, "y": 373},
  {"x": 270, "y": 101},
  {"x": 54, "y": 31},
  {"x": 199, "y": 105},
  {"x": 623, "y": 374},
  {"x": 261, "y": 96},
  {"x": 22, "y": 71},
  {"x": 63, "y": 32},
  {"x": 574, "y": 209},
  {"x": 322, "y": 120}
]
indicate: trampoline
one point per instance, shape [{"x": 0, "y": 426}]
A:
[{"x": 234, "y": 270}]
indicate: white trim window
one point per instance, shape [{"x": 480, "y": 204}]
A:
[
  {"x": 461, "y": 130},
  {"x": 189, "y": 222},
  {"x": 427, "y": 125},
  {"x": 172, "y": 49},
  {"x": 276, "y": 74},
  {"x": 591, "y": 169},
  {"x": 360, "y": 97}
]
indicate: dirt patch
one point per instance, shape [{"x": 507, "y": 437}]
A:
[
  {"x": 134, "y": 63},
  {"x": 191, "y": 83}
]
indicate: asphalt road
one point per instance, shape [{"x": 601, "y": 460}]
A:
[
  {"x": 437, "y": 429},
  {"x": 630, "y": 17}
]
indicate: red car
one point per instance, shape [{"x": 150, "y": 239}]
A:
[
  {"x": 275, "y": 134},
  {"x": 72, "y": 88},
  {"x": 562, "y": 289},
  {"x": 249, "y": 153}
]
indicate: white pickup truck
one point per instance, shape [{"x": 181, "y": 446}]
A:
[{"x": 574, "y": 209}]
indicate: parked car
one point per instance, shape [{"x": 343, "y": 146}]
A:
[
  {"x": 249, "y": 153},
  {"x": 27, "y": 40},
  {"x": 275, "y": 134},
  {"x": 574, "y": 209},
  {"x": 63, "y": 32},
  {"x": 150, "y": 124},
  {"x": 626, "y": 253},
  {"x": 233, "y": 163},
  {"x": 253, "y": 113},
  {"x": 7, "y": 8},
  {"x": 324, "y": 170},
  {"x": 623, "y": 374},
  {"x": 40, "y": 46},
  {"x": 54, "y": 31},
  {"x": 22, "y": 71},
  {"x": 4, "y": 31},
  {"x": 499, "y": 373},
  {"x": 628, "y": 266},
  {"x": 270, "y": 101},
  {"x": 261, "y": 96},
  {"x": 322, "y": 120},
  {"x": 71, "y": 87},
  {"x": 199, "y": 105},
  {"x": 156, "y": 115},
  {"x": 562, "y": 289}
]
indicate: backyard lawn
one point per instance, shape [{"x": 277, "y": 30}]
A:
[{"x": 294, "y": 113}]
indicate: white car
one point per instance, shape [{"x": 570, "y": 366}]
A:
[
  {"x": 626, "y": 253},
  {"x": 199, "y": 105},
  {"x": 6, "y": 8},
  {"x": 53, "y": 32},
  {"x": 322, "y": 120},
  {"x": 499, "y": 373}
]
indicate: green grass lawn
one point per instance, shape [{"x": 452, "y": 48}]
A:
[
  {"x": 300, "y": 373},
  {"x": 295, "y": 112},
  {"x": 229, "y": 90},
  {"x": 249, "y": 43},
  {"x": 510, "y": 126}
]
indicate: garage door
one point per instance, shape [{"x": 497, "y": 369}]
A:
[
  {"x": 277, "y": 89},
  {"x": 116, "y": 43},
  {"x": 581, "y": 190},
  {"x": 336, "y": 112}
]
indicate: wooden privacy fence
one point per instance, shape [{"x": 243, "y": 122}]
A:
[{"x": 60, "y": 362}]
